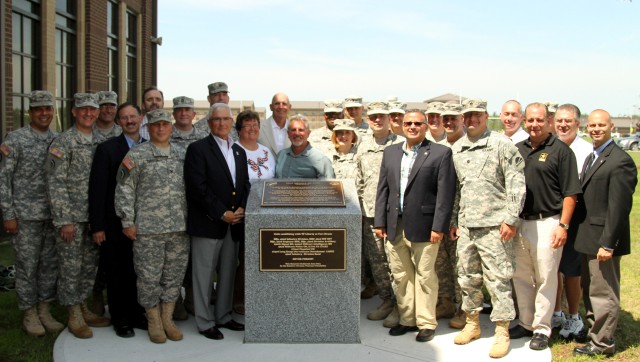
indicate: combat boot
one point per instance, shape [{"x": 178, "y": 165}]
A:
[
  {"x": 445, "y": 308},
  {"x": 170, "y": 329},
  {"x": 93, "y": 319},
  {"x": 382, "y": 312},
  {"x": 155, "y": 330},
  {"x": 49, "y": 323},
  {"x": 501, "y": 340},
  {"x": 393, "y": 319},
  {"x": 470, "y": 331},
  {"x": 77, "y": 326},
  {"x": 458, "y": 321},
  {"x": 31, "y": 323},
  {"x": 179, "y": 312}
]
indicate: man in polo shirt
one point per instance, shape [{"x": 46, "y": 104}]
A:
[
  {"x": 301, "y": 160},
  {"x": 552, "y": 187},
  {"x": 511, "y": 118}
]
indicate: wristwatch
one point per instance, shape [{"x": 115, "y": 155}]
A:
[{"x": 564, "y": 226}]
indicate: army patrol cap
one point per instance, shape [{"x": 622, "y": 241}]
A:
[
  {"x": 182, "y": 102},
  {"x": 377, "y": 107},
  {"x": 451, "y": 109},
  {"x": 85, "y": 100},
  {"x": 40, "y": 98},
  {"x": 107, "y": 97},
  {"x": 158, "y": 115},
  {"x": 552, "y": 107},
  {"x": 218, "y": 87},
  {"x": 397, "y": 107},
  {"x": 332, "y": 106},
  {"x": 474, "y": 105},
  {"x": 434, "y": 107},
  {"x": 353, "y": 101},
  {"x": 344, "y": 125}
]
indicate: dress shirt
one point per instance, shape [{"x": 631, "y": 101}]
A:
[
  {"x": 227, "y": 152},
  {"x": 408, "y": 157}
]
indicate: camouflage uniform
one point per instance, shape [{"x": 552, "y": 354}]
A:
[
  {"x": 345, "y": 166},
  {"x": 23, "y": 197},
  {"x": 369, "y": 159},
  {"x": 150, "y": 195},
  {"x": 115, "y": 131},
  {"x": 183, "y": 141},
  {"x": 320, "y": 139},
  {"x": 491, "y": 191},
  {"x": 68, "y": 167}
]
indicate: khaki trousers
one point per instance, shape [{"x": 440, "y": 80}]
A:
[{"x": 414, "y": 278}]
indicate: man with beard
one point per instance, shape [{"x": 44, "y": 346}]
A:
[
  {"x": 301, "y": 160},
  {"x": 511, "y": 117},
  {"x": 106, "y": 227},
  {"x": 321, "y": 138},
  {"x": 152, "y": 98}
]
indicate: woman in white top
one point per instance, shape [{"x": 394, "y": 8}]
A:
[{"x": 260, "y": 161}]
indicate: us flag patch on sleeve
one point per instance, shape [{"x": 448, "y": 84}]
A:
[
  {"x": 57, "y": 152},
  {"x": 128, "y": 164},
  {"x": 5, "y": 149}
]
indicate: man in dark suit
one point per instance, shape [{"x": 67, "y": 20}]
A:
[
  {"x": 217, "y": 185},
  {"x": 106, "y": 227},
  {"x": 414, "y": 199},
  {"x": 600, "y": 227}
]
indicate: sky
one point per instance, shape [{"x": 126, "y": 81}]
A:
[{"x": 567, "y": 51}]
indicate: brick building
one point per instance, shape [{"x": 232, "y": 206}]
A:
[{"x": 69, "y": 46}]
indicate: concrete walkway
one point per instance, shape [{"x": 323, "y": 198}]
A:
[{"x": 376, "y": 345}]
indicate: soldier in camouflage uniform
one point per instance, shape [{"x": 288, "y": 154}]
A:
[
  {"x": 396, "y": 114},
  {"x": 150, "y": 199},
  {"x": 354, "y": 109},
  {"x": 489, "y": 198},
  {"x": 184, "y": 133},
  {"x": 68, "y": 166},
  {"x": 344, "y": 142},
  {"x": 320, "y": 138},
  {"x": 434, "y": 120},
  {"x": 218, "y": 93},
  {"x": 106, "y": 126},
  {"x": 369, "y": 160},
  {"x": 26, "y": 213}
]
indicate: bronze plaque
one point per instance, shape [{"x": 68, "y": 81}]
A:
[
  {"x": 323, "y": 193},
  {"x": 303, "y": 249}
]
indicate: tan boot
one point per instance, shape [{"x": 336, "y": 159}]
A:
[
  {"x": 382, "y": 312},
  {"x": 179, "y": 312},
  {"x": 93, "y": 319},
  {"x": 77, "y": 326},
  {"x": 471, "y": 330},
  {"x": 49, "y": 323},
  {"x": 155, "y": 330},
  {"x": 445, "y": 308},
  {"x": 392, "y": 319},
  {"x": 459, "y": 320},
  {"x": 31, "y": 323},
  {"x": 501, "y": 340},
  {"x": 171, "y": 330}
]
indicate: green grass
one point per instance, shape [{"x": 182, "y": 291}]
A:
[{"x": 15, "y": 345}]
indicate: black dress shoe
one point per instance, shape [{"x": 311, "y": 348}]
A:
[
  {"x": 400, "y": 330},
  {"x": 124, "y": 331},
  {"x": 539, "y": 342},
  {"x": 425, "y": 335},
  {"x": 212, "y": 333},
  {"x": 232, "y": 325},
  {"x": 582, "y": 337},
  {"x": 589, "y": 350},
  {"x": 519, "y": 332}
]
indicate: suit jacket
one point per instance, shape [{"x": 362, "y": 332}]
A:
[
  {"x": 102, "y": 184},
  {"x": 601, "y": 217},
  {"x": 210, "y": 190},
  {"x": 267, "y": 139},
  {"x": 428, "y": 196}
]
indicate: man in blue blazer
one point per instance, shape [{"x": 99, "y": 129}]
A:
[
  {"x": 413, "y": 206},
  {"x": 217, "y": 185}
]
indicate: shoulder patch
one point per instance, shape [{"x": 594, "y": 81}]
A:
[
  {"x": 128, "y": 164},
  {"x": 57, "y": 152},
  {"x": 5, "y": 149}
]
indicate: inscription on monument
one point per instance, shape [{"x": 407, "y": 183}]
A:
[
  {"x": 303, "y": 249},
  {"x": 320, "y": 193}
]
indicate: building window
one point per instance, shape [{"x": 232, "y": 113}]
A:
[
  {"x": 25, "y": 56},
  {"x": 132, "y": 57},
  {"x": 112, "y": 44},
  {"x": 65, "y": 60}
]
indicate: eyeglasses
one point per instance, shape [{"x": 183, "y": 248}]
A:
[
  {"x": 251, "y": 126},
  {"x": 220, "y": 119},
  {"x": 409, "y": 124}
]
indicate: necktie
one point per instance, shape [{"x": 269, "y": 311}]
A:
[{"x": 590, "y": 163}]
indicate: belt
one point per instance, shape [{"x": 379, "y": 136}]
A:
[{"x": 540, "y": 215}]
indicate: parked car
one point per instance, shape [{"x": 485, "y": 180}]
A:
[{"x": 630, "y": 143}]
